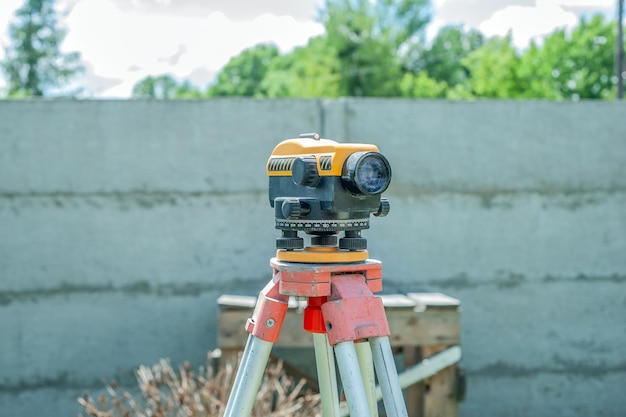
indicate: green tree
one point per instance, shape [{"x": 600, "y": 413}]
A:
[
  {"x": 186, "y": 90},
  {"x": 361, "y": 54},
  {"x": 493, "y": 71},
  {"x": 422, "y": 86},
  {"x": 164, "y": 87},
  {"x": 369, "y": 40},
  {"x": 571, "y": 65},
  {"x": 161, "y": 87},
  {"x": 309, "y": 71},
  {"x": 243, "y": 75},
  {"x": 442, "y": 58},
  {"x": 33, "y": 61}
]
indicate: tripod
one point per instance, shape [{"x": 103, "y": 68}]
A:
[{"x": 347, "y": 322}]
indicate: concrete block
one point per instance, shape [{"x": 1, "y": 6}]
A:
[
  {"x": 457, "y": 240},
  {"x": 487, "y": 145},
  {"x": 120, "y": 146},
  {"x": 133, "y": 241},
  {"x": 544, "y": 395},
  {"x": 79, "y": 339}
]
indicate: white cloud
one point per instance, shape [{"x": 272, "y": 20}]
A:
[
  {"x": 434, "y": 27},
  {"x": 130, "y": 46},
  {"x": 529, "y": 23},
  {"x": 526, "y": 19},
  {"x": 597, "y": 4}
]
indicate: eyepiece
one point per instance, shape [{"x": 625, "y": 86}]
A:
[{"x": 367, "y": 173}]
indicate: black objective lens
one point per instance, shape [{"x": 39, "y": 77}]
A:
[{"x": 366, "y": 173}]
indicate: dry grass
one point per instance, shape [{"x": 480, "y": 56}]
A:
[{"x": 166, "y": 392}]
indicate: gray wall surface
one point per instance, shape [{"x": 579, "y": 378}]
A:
[{"x": 121, "y": 222}]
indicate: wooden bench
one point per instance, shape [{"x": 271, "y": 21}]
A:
[{"x": 422, "y": 324}]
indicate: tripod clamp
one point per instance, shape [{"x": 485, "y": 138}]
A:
[
  {"x": 343, "y": 311},
  {"x": 341, "y": 300}
]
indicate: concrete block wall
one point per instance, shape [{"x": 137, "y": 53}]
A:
[
  {"x": 121, "y": 222},
  {"x": 120, "y": 225},
  {"x": 519, "y": 210}
]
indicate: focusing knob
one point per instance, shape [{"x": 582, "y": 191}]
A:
[
  {"x": 383, "y": 208},
  {"x": 304, "y": 171},
  {"x": 291, "y": 208}
]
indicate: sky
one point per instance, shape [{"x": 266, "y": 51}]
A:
[{"x": 124, "y": 41}]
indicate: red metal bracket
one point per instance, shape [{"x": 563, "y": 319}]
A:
[
  {"x": 313, "y": 280},
  {"x": 353, "y": 312},
  {"x": 269, "y": 313}
]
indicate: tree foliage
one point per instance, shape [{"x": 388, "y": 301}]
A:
[
  {"x": 244, "y": 74},
  {"x": 493, "y": 70},
  {"x": 164, "y": 87},
  {"x": 161, "y": 87},
  {"x": 442, "y": 58},
  {"x": 33, "y": 61},
  {"x": 368, "y": 39},
  {"x": 308, "y": 71},
  {"x": 421, "y": 85},
  {"x": 378, "y": 49},
  {"x": 572, "y": 65}
]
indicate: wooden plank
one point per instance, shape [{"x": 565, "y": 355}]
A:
[
  {"x": 429, "y": 299},
  {"x": 413, "y": 395},
  {"x": 232, "y": 333},
  {"x": 439, "y": 397},
  {"x": 227, "y": 301},
  {"x": 397, "y": 301},
  {"x": 408, "y": 328},
  {"x": 434, "y": 300},
  {"x": 246, "y": 302}
]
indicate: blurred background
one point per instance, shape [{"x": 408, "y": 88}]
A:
[
  {"x": 554, "y": 49},
  {"x": 133, "y": 193}
]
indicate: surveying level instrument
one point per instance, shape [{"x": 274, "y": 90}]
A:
[{"x": 324, "y": 188}]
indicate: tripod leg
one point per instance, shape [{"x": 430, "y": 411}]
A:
[
  {"x": 351, "y": 379},
  {"x": 326, "y": 375},
  {"x": 388, "y": 377},
  {"x": 242, "y": 365},
  {"x": 364, "y": 355},
  {"x": 264, "y": 328},
  {"x": 249, "y": 377},
  {"x": 353, "y": 313}
]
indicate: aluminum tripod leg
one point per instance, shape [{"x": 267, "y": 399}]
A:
[
  {"x": 326, "y": 375},
  {"x": 351, "y": 379},
  {"x": 388, "y": 377},
  {"x": 364, "y": 355},
  {"x": 249, "y": 377}
]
